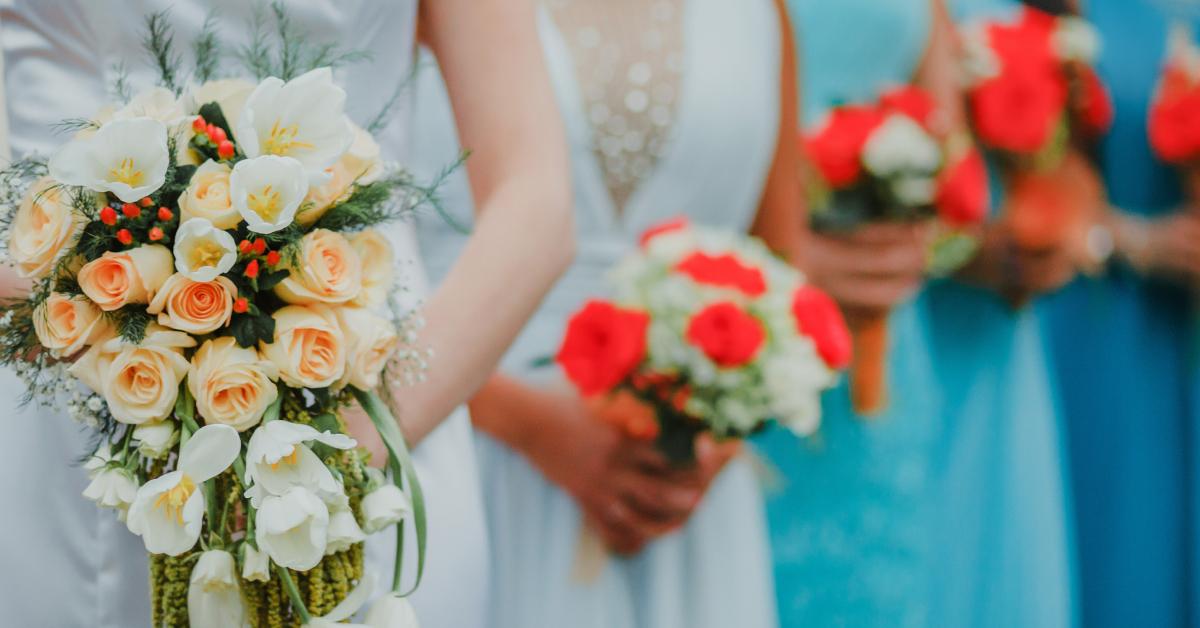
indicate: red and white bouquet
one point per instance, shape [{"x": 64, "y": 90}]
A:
[
  {"x": 209, "y": 292},
  {"x": 713, "y": 332},
  {"x": 1173, "y": 126},
  {"x": 1031, "y": 93},
  {"x": 892, "y": 160}
]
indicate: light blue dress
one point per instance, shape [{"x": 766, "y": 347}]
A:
[
  {"x": 852, "y": 514},
  {"x": 1121, "y": 345},
  {"x": 1008, "y": 551}
]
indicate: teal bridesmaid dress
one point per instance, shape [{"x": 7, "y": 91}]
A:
[
  {"x": 1122, "y": 353},
  {"x": 1006, "y": 544},
  {"x": 851, "y": 515}
]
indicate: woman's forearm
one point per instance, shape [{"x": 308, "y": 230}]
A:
[{"x": 511, "y": 412}]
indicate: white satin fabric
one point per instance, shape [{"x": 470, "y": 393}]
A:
[
  {"x": 716, "y": 573},
  {"x": 67, "y": 563}
]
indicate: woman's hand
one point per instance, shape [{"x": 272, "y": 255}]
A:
[
  {"x": 1167, "y": 247},
  {"x": 1018, "y": 273},
  {"x": 873, "y": 268}
]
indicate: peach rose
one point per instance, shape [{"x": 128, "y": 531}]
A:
[
  {"x": 232, "y": 384},
  {"x": 378, "y": 268},
  {"x": 139, "y": 382},
  {"x": 207, "y": 196},
  {"x": 197, "y": 307},
  {"x": 371, "y": 341},
  {"x": 67, "y": 323},
  {"x": 44, "y": 227},
  {"x": 309, "y": 348},
  {"x": 134, "y": 276},
  {"x": 320, "y": 198},
  {"x": 329, "y": 271}
]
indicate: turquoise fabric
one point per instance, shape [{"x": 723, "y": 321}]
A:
[
  {"x": 851, "y": 516},
  {"x": 1121, "y": 349}
]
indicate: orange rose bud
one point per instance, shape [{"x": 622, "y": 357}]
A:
[
  {"x": 130, "y": 210},
  {"x": 146, "y": 202},
  {"x": 108, "y": 216},
  {"x": 272, "y": 258},
  {"x": 244, "y": 247},
  {"x": 217, "y": 134},
  {"x": 165, "y": 214},
  {"x": 156, "y": 234},
  {"x": 240, "y": 305},
  {"x": 225, "y": 149},
  {"x": 199, "y": 125},
  {"x": 125, "y": 237},
  {"x": 260, "y": 246},
  {"x": 251, "y": 269}
]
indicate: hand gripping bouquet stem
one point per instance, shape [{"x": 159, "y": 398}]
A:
[{"x": 210, "y": 291}]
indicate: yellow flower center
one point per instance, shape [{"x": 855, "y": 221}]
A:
[
  {"x": 205, "y": 253},
  {"x": 282, "y": 140},
  {"x": 126, "y": 173},
  {"x": 174, "y": 500},
  {"x": 291, "y": 459},
  {"x": 266, "y": 203}
]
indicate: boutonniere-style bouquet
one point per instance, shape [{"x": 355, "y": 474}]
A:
[
  {"x": 714, "y": 333},
  {"x": 889, "y": 161},
  {"x": 209, "y": 293},
  {"x": 1032, "y": 94},
  {"x": 1173, "y": 126}
]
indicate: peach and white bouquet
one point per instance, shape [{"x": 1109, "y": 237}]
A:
[{"x": 210, "y": 291}]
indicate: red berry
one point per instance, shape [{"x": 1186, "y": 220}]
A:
[
  {"x": 272, "y": 258},
  {"x": 251, "y": 271},
  {"x": 131, "y": 210},
  {"x": 240, "y": 305},
  {"x": 108, "y": 216},
  {"x": 225, "y": 149},
  {"x": 125, "y": 237},
  {"x": 210, "y": 131},
  {"x": 216, "y": 134},
  {"x": 260, "y": 246},
  {"x": 146, "y": 202},
  {"x": 156, "y": 234},
  {"x": 244, "y": 247},
  {"x": 165, "y": 214},
  {"x": 198, "y": 125}
]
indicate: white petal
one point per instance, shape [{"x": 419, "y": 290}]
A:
[
  {"x": 392, "y": 611},
  {"x": 209, "y": 452}
]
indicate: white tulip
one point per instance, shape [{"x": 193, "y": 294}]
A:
[
  {"x": 256, "y": 565},
  {"x": 383, "y": 507},
  {"x": 344, "y": 531},
  {"x": 267, "y": 191},
  {"x": 392, "y": 611},
  {"x": 112, "y": 487},
  {"x": 158, "y": 103},
  {"x": 169, "y": 510},
  {"x": 156, "y": 438},
  {"x": 292, "y": 528},
  {"x": 202, "y": 251},
  {"x": 214, "y": 598},
  {"x": 277, "y": 460},
  {"x": 303, "y": 118},
  {"x": 901, "y": 145},
  {"x": 125, "y": 157}
]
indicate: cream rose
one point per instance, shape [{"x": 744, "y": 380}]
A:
[
  {"x": 139, "y": 382},
  {"x": 329, "y": 271},
  {"x": 45, "y": 227},
  {"x": 197, "y": 307},
  {"x": 360, "y": 165},
  {"x": 232, "y": 384},
  {"x": 67, "y": 323},
  {"x": 378, "y": 268},
  {"x": 207, "y": 196},
  {"x": 115, "y": 279},
  {"x": 309, "y": 348},
  {"x": 371, "y": 341}
]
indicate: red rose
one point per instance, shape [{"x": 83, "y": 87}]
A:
[
  {"x": 819, "y": 318},
  {"x": 603, "y": 345},
  {"x": 674, "y": 224},
  {"x": 1096, "y": 109},
  {"x": 836, "y": 147},
  {"x": 724, "y": 271},
  {"x": 911, "y": 101},
  {"x": 1019, "y": 110},
  {"x": 962, "y": 192},
  {"x": 1174, "y": 124},
  {"x": 728, "y": 335}
]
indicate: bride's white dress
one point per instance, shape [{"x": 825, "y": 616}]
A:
[
  {"x": 66, "y": 562},
  {"x": 671, "y": 108}
]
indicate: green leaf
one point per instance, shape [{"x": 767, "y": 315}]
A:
[
  {"x": 248, "y": 329},
  {"x": 269, "y": 280}
]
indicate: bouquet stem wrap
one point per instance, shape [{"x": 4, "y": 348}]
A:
[{"x": 868, "y": 373}]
